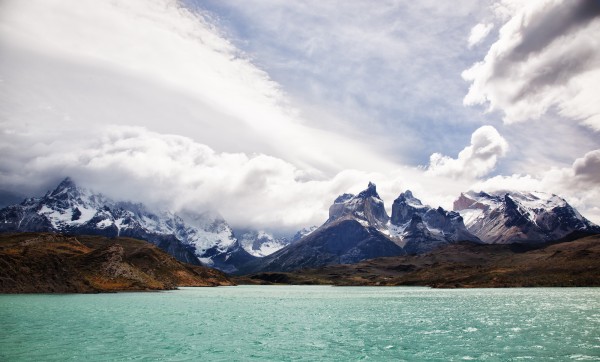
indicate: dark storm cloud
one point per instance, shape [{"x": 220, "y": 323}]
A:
[{"x": 548, "y": 25}]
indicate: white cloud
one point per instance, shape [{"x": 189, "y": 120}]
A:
[
  {"x": 132, "y": 163},
  {"x": 476, "y": 160},
  {"x": 479, "y": 32},
  {"x": 547, "y": 58},
  {"x": 587, "y": 168},
  {"x": 157, "y": 65}
]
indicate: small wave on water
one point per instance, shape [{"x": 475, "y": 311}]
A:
[{"x": 306, "y": 323}]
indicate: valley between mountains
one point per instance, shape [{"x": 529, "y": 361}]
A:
[{"x": 75, "y": 240}]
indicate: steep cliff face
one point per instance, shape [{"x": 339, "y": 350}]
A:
[
  {"x": 505, "y": 217},
  {"x": 366, "y": 207}
]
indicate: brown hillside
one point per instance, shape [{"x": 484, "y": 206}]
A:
[
  {"x": 575, "y": 263},
  {"x": 51, "y": 263}
]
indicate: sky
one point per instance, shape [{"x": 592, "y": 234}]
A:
[{"x": 266, "y": 110}]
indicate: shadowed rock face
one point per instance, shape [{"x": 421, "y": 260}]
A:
[
  {"x": 418, "y": 237},
  {"x": 51, "y": 263},
  {"x": 405, "y": 206}
]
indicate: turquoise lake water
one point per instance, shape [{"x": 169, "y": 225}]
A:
[{"x": 309, "y": 323}]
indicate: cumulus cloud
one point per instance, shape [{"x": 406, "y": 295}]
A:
[
  {"x": 174, "y": 172},
  {"x": 479, "y": 32},
  {"x": 587, "y": 168},
  {"x": 547, "y": 58},
  {"x": 476, "y": 160}
]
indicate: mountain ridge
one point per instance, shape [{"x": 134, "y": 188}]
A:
[
  {"x": 205, "y": 239},
  {"x": 358, "y": 227}
]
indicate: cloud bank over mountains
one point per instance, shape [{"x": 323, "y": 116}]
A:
[{"x": 150, "y": 101}]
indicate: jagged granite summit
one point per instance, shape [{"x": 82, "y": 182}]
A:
[
  {"x": 359, "y": 228},
  {"x": 421, "y": 228},
  {"x": 193, "y": 238},
  {"x": 505, "y": 217},
  {"x": 366, "y": 207}
]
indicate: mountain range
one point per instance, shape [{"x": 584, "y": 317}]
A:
[
  {"x": 358, "y": 227},
  {"x": 505, "y": 217},
  {"x": 192, "y": 238}
]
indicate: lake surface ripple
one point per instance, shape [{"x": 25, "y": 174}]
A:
[{"x": 305, "y": 323}]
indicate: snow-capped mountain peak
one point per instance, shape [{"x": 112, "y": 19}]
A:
[
  {"x": 513, "y": 216},
  {"x": 190, "y": 237}
]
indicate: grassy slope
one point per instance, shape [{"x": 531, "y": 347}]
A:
[{"x": 575, "y": 263}]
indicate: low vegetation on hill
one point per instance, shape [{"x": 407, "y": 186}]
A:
[
  {"x": 54, "y": 263},
  {"x": 464, "y": 265}
]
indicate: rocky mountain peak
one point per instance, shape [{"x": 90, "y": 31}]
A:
[
  {"x": 66, "y": 187},
  {"x": 404, "y": 207},
  {"x": 407, "y": 196},
  {"x": 343, "y": 198},
  {"x": 370, "y": 191},
  {"x": 367, "y": 207},
  {"x": 424, "y": 228},
  {"x": 201, "y": 237},
  {"x": 513, "y": 216}
]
